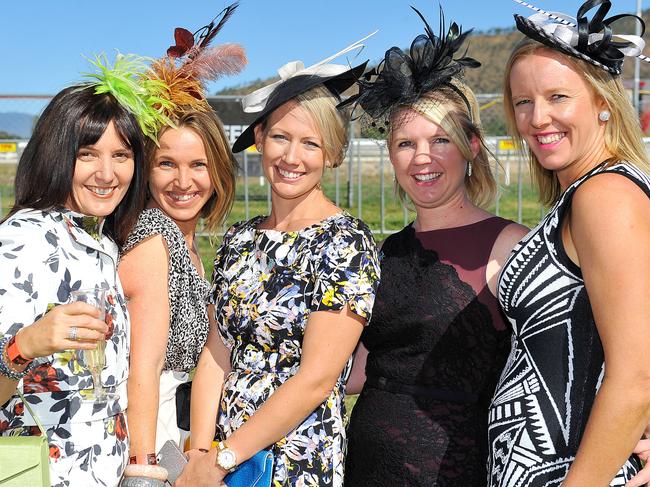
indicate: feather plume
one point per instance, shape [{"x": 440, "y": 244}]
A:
[
  {"x": 215, "y": 62},
  {"x": 128, "y": 81},
  {"x": 207, "y": 33},
  {"x": 403, "y": 77},
  {"x": 183, "y": 92},
  {"x": 190, "y": 63}
]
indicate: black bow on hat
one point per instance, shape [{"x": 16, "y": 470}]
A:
[{"x": 590, "y": 40}]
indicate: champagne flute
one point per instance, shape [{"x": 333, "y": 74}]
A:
[{"x": 94, "y": 359}]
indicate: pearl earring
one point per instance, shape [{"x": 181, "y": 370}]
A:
[{"x": 604, "y": 115}]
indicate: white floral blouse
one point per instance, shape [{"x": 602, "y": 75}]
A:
[{"x": 43, "y": 256}]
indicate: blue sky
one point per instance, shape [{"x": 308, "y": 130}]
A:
[{"x": 43, "y": 40}]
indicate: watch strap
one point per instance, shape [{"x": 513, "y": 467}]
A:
[{"x": 13, "y": 353}]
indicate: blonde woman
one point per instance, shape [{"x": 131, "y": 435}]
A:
[
  {"x": 430, "y": 359},
  {"x": 573, "y": 399},
  {"x": 292, "y": 292},
  {"x": 191, "y": 175}
]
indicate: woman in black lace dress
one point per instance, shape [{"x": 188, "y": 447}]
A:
[{"x": 437, "y": 341}]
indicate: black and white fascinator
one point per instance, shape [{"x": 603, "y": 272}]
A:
[
  {"x": 402, "y": 78},
  {"x": 590, "y": 40},
  {"x": 296, "y": 79}
]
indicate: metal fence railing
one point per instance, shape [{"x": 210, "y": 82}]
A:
[{"x": 363, "y": 184}]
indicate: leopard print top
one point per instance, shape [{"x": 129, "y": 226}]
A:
[{"x": 188, "y": 327}]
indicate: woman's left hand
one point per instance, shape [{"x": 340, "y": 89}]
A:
[{"x": 201, "y": 471}]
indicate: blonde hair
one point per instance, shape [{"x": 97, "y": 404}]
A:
[
  {"x": 460, "y": 119},
  {"x": 222, "y": 166},
  {"x": 321, "y": 105},
  {"x": 623, "y": 136}
]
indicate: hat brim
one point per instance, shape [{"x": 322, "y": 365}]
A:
[
  {"x": 532, "y": 30},
  {"x": 293, "y": 87}
]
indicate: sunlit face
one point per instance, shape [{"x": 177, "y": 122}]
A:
[
  {"x": 102, "y": 174},
  {"x": 293, "y": 159},
  {"x": 557, "y": 113},
  {"x": 427, "y": 164},
  {"x": 179, "y": 181}
]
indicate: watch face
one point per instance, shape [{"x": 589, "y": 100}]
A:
[{"x": 226, "y": 459}]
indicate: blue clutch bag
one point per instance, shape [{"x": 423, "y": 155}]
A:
[{"x": 257, "y": 471}]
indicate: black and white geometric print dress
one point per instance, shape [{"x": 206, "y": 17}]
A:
[{"x": 555, "y": 368}]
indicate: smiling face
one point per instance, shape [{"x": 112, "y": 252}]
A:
[
  {"x": 179, "y": 181},
  {"x": 427, "y": 164},
  {"x": 292, "y": 151},
  {"x": 557, "y": 114},
  {"x": 102, "y": 174}
]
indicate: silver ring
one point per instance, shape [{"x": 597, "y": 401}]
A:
[{"x": 72, "y": 333}]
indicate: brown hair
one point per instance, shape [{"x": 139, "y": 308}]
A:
[{"x": 623, "y": 136}]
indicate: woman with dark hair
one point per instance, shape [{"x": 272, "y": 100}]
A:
[
  {"x": 573, "y": 399},
  {"x": 191, "y": 175},
  {"x": 79, "y": 183},
  {"x": 292, "y": 292},
  {"x": 431, "y": 357}
]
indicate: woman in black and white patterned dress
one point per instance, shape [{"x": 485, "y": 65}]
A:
[
  {"x": 573, "y": 399},
  {"x": 191, "y": 174}
]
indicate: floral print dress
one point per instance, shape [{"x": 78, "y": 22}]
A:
[
  {"x": 44, "y": 255},
  {"x": 265, "y": 285}
]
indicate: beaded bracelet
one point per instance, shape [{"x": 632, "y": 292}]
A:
[{"x": 5, "y": 364}]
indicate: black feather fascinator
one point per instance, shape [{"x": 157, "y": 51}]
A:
[{"x": 402, "y": 78}]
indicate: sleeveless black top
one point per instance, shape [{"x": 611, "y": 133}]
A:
[
  {"x": 437, "y": 343},
  {"x": 542, "y": 403}
]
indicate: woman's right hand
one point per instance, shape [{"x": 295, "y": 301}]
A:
[
  {"x": 54, "y": 331},
  {"x": 642, "y": 449}
]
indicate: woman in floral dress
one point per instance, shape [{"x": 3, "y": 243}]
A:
[
  {"x": 78, "y": 184},
  {"x": 292, "y": 292}
]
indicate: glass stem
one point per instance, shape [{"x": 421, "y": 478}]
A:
[{"x": 98, "y": 387}]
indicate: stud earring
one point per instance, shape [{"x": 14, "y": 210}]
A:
[
  {"x": 469, "y": 169},
  {"x": 604, "y": 115}
]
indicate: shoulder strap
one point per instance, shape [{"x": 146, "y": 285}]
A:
[{"x": 31, "y": 411}]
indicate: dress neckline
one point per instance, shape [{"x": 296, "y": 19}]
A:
[
  {"x": 459, "y": 227},
  {"x": 255, "y": 221}
]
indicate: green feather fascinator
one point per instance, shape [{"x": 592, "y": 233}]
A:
[{"x": 129, "y": 80}]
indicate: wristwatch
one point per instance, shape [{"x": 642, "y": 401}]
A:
[{"x": 226, "y": 458}]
